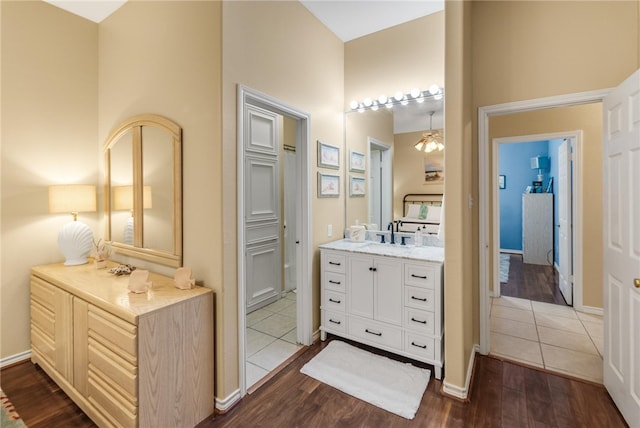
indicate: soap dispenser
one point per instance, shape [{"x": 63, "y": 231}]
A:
[{"x": 417, "y": 240}]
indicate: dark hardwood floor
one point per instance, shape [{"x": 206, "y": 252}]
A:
[
  {"x": 533, "y": 282},
  {"x": 502, "y": 395}
]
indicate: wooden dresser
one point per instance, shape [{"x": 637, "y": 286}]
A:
[{"x": 131, "y": 360}]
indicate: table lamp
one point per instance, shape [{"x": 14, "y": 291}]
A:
[
  {"x": 75, "y": 239},
  {"x": 123, "y": 200}
]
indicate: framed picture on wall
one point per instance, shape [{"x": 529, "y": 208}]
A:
[
  {"x": 328, "y": 155},
  {"x": 502, "y": 182},
  {"x": 434, "y": 168},
  {"x": 328, "y": 185},
  {"x": 356, "y": 161},
  {"x": 356, "y": 186}
]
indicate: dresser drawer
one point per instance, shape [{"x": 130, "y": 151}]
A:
[
  {"x": 120, "y": 374},
  {"x": 373, "y": 332},
  {"x": 334, "y": 321},
  {"x": 44, "y": 345},
  {"x": 43, "y": 293},
  {"x": 110, "y": 404},
  {"x": 419, "y": 275},
  {"x": 43, "y": 318},
  {"x": 333, "y": 281},
  {"x": 420, "y": 321},
  {"x": 114, "y": 333},
  {"x": 333, "y": 262},
  {"x": 333, "y": 301},
  {"x": 419, "y": 298},
  {"x": 422, "y": 347}
]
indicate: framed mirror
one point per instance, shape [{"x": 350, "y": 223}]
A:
[
  {"x": 143, "y": 189},
  {"x": 392, "y": 166}
]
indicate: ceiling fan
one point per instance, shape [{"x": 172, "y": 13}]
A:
[{"x": 431, "y": 140}]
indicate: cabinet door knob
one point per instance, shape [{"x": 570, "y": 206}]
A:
[{"x": 636, "y": 282}]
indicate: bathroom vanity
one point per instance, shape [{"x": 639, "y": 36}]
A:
[
  {"x": 386, "y": 296},
  {"x": 128, "y": 360}
]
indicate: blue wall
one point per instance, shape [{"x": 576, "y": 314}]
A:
[{"x": 514, "y": 164}]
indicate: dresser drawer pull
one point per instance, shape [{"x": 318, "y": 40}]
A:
[
  {"x": 335, "y": 322},
  {"x": 424, "y": 299},
  {"x": 421, "y": 322},
  {"x": 335, "y": 263},
  {"x": 419, "y": 346},
  {"x": 375, "y": 333},
  {"x": 334, "y": 282},
  {"x": 333, "y": 300},
  {"x": 413, "y": 275}
]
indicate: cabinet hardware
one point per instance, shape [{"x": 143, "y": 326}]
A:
[
  {"x": 418, "y": 346},
  {"x": 415, "y": 320},
  {"x": 636, "y": 282},
  {"x": 334, "y": 282},
  {"x": 375, "y": 333},
  {"x": 335, "y": 263},
  {"x": 413, "y": 275},
  {"x": 418, "y": 298},
  {"x": 334, "y": 301},
  {"x": 334, "y": 321}
]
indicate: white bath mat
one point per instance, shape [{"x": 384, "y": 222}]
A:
[{"x": 391, "y": 385}]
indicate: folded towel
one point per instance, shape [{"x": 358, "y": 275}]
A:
[{"x": 423, "y": 212}]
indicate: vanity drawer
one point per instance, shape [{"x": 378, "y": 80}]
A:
[
  {"x": 120, "y": 374},
  {"x": 422, "y": 347},
  {"x": 333, "y": 262},
  {"x": 419, "y": 275},
  {"x": 333, "y": 281},
  {"x": 420, "y": 298},
  {"x": 420, "y": 321},
  {"x": 378, "y": 333},
  {"x": 112, "y": 406},
  {"x": 334, "y": 301},
  {"x": 334, "y": 321},
  {"x": 114, "y": 333}
]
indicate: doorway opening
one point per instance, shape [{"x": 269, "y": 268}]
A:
[
  {"x": 274, "y": 235},
  {"x": 535, "y": 206},
  {"x": 380, "y": 183}
]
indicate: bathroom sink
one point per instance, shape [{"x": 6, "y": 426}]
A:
[{"x": 388, "y": 249}]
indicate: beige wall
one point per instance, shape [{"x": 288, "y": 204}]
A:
[
  {"x": 588, "y": 119},
  {"x": 280, "y": 49},
  {"x": 49, "y": 136}
]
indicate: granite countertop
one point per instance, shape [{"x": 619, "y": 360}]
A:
[{"x": 430, "y": 254}]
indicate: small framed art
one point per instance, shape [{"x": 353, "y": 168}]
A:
[
  {"x": 328, "y": 155},
  {"x": 356, "y": 186},
  {"x": 328, "y": 185},
  {"x": 356, "y": 161}
]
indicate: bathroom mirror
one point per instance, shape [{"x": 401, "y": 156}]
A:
[
  {"x": 143, "y": 189},
  {"x": 393, "y": 167}
]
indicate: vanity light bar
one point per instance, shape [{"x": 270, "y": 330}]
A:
[{"x": 434, "y": 92}]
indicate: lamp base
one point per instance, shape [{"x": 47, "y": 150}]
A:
[{"x": 75, "y": 240}]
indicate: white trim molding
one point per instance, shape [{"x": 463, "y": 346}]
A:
[
  {"x": 591, "y": 310},
  {"x": 223, "y": 406},
  {"x": 13, "y": 359},
  {"x": 456, "y": 391}
]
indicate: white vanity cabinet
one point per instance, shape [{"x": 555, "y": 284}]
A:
[{"x": 390, "y": 302}]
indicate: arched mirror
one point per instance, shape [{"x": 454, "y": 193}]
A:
[{"x": 143, "y": 188}]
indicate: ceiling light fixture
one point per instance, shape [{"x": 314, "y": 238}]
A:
[
  {"x": 430, "y": 140},
  {"x": 434, "y": 92}
]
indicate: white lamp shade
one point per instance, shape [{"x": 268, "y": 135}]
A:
[
  {"x": 70, "y": 198},
  {"x": 123, "y": 198}
]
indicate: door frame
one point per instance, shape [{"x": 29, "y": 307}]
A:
[
  {"x": 485, "y": 180},
  {"x": 576, "y": 202},
  {"x": 304, "y": 321},
  {"x": 386, "y": 176}
]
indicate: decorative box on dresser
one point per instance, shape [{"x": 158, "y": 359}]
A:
[
  {"x": 131, "y": 360},
  {"x": 388, "y": 297}
]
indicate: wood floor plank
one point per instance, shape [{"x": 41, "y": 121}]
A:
[
  {"x": 502, "y": 395},
  {"x": 533, "y": 282}
]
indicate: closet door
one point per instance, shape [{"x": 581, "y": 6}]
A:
[{"x": 263, "y": 257}]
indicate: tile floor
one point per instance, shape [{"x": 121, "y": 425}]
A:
[
  {"x": 549, "y": 336},
  {"x": 271, "y": 337}
]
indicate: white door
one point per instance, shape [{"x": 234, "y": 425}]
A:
[
  {"x": 262, "y": 207},
  {"x": 375, "y": 191},
  {"x": 564, "y": 222},
  {"x": 621, "y": 269}
]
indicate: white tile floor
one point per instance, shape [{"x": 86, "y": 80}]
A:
[
  {"x": 271, "y": 337},
  {"x": 549, "y": 336}
]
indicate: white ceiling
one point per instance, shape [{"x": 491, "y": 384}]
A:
[{"x": 93, "y": 10}]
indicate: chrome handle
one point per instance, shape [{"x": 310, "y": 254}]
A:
[{"x": 636, "y": 282}]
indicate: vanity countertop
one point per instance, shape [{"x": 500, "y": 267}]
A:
[{"x": 430, "y": 254}]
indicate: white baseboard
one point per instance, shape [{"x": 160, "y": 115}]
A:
[
  {"x": 12, "y": 359},
  {"x": 511, "y": 251},
  {"x": 590, "y": 310},
  {"x": 228, "y": 402},
  {"x": 457, "y": 391}
]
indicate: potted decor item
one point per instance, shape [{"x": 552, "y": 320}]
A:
[{"x": 102, "y": 251}]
